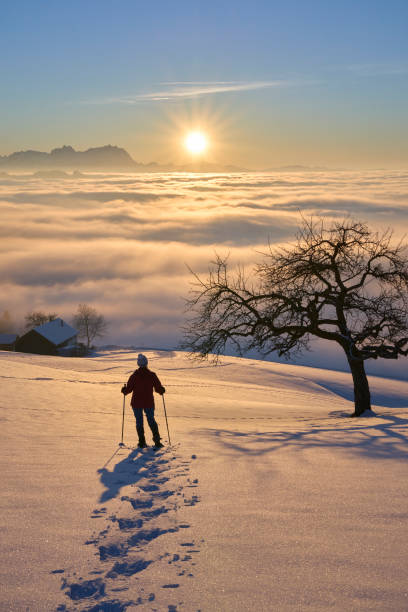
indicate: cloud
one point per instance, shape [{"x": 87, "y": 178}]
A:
[
  {"x": 97, "y": 196},
  {"x": 335, "y": 207},
  {"x": 122, "y": 242},
  {"x": 177, "y": 90}
]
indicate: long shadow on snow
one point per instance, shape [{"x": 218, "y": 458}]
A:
[
  {"x": 389, "y": 399},
  {"x": 387, "y": 440},
  {"x": 126, "y": 472}
]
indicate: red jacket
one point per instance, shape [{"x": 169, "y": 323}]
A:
[{"x": 142, "y": 382}]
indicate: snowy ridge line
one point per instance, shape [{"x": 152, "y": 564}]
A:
[
  {"x": 158, "y": 486},
  {"x": 64, "y": 380},
  {"x": 120, "y": 382},
  {"x": 169, "y": 385}
]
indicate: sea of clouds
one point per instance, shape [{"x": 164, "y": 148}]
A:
[{"x": 123, "y": 242}]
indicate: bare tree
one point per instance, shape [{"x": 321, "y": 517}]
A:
[
  {"x": 340, "y": 282},
  {"x": 35, "y": 318},
  {"x": 89, "y": 324}
]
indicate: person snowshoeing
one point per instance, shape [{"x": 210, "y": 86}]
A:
[{"x": 142, "y": 382}]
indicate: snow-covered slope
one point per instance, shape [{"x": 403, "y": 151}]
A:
[{"x": 268, "y": 499}]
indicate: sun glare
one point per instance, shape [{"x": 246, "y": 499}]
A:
[{"x": 195, "y": 142}]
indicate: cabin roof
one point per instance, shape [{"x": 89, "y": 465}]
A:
[{"x": 56, "y": 331}]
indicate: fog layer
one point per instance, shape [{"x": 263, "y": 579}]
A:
[{"x": 122, "y": 243}]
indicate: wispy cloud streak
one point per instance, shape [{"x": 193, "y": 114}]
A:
[{"x": 177, "y": 90}]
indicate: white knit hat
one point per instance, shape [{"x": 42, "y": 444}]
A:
[{"x": 141, "y": 360}]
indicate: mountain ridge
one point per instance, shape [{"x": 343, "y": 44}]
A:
[
  {"x": 66, "y": 157},
  {"x": 107, "y": 157}
]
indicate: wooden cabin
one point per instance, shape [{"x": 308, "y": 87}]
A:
[{"x": 51, "y": 338}]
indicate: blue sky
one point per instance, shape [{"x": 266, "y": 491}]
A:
[{"x": 273, "y": 83}]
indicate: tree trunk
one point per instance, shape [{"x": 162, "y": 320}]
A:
[
  {"x": 362, "y": 400},
  {"x": 88, "y": 339}
]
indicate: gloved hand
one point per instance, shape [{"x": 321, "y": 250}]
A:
[
  {"x": 123, "y": 390},
  {"x": 163, "y": 391}
]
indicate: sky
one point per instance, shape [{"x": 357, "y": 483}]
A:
[{"x": 270, "y": 83}]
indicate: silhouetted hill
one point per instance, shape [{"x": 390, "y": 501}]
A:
[
  {"x": 103, "y": 158},
  {"x": 66, "y": 158}
]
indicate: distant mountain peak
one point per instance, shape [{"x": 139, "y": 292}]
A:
[
  {"x": 108, "y": 157},
  {"x": 105, "y": 158},
  {"x": 62, "y": 150}
]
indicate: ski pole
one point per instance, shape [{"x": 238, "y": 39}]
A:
[
  {"x": 165, "y": 414},
  {"x": 123, "y": 420}
]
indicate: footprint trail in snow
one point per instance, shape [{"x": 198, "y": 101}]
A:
[{"x": 158, "y": 487}]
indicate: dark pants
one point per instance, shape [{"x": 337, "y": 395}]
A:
[{"x": 138, "y": 412}]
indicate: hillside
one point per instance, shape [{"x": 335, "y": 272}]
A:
[{"x": 269, "y": 498}]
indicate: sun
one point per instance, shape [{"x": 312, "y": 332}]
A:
[{"x": 196, "y": 142}]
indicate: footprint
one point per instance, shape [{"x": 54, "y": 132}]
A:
[
  {"x": 127, "y": 568},
  {"x": 113, "y": 550},
  {"x": 165, "y": 494},
  {"x": 138, "y": 503},
  {"x": 88, "y": 588},
  {"x": 149, "y": 514},
  {"x": 97, "y": 512},
  {"x": 144, "y": 536},
  {"x": 129, "y": 523},
  {"x": 161, "y": 480},
  {"x": 192, "y": 501}
]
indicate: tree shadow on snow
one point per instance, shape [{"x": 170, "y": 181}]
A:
[
  {"x": 392, "y": 398},
  {"x": 387, "y": 439}
]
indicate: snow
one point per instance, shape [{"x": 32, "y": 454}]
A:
[
  {"x": 56, "y": 331},
  {"x": 8, "y": 338},
  {"x": 270, "y": 497}
]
